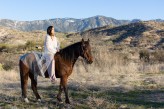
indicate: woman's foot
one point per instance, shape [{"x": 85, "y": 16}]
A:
[{"x": 53, "y": 81}]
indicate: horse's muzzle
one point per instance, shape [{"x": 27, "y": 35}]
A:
[{"x": 90, "y": 62}]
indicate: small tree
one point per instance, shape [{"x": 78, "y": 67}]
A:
[
  {"x": 144, "y": 55},
  {"x": 29, "y": 45}
]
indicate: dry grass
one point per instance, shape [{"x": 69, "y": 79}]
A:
[
  {"x": 9, "y": 76},
  {"x": 113, "y": 78},
  {"x": 91, "y": 86},
  {"x": 113, "y": 69}
]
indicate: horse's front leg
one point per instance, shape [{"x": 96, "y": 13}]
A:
[
  {"x": 60, "y": 91},
  {"x": 64, "y": 84}
]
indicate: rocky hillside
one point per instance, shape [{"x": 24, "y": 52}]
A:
[
  {"x": 63, "y": 24},
  {"x": 148, "y": 34}
]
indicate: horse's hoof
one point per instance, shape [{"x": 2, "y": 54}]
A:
[
  {"x": 39, "y": 100},
  {"x": 60, "y": 102},
  {"x": 26, "y": 100},
  {"x": 67, "y": 101},
  {"x": 59, "y": 99}
]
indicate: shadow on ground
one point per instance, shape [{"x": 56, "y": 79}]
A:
[{"x": 84, "y": 97}]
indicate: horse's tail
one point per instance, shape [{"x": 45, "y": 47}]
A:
[
  {"x": 21, "y": 66},
  {"x": 21, "y": 73}
]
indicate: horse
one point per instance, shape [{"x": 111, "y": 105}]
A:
[{"x": 64, "y": 63}]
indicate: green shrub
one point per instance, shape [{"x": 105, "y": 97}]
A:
[
  {"x": 8, "y": 65},
  {"x": 4, "y": 48},
  {"x": 30, "y": 45},
  {"x": 144, "y": 55},
  {"x": 1, "y": 66}
]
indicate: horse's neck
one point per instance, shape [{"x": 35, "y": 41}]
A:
[
  {"x": 74, "y": 57},
  {"x": 71, "y": 57}
]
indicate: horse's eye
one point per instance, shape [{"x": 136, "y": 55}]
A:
[{"x": 84, "y": 48}]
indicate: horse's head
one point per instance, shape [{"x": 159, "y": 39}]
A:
[{"x": 86, "y": 51}]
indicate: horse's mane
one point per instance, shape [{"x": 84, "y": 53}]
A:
[
  {"x": 68, "y": 52},
  {"x": 70, "y": 46}
]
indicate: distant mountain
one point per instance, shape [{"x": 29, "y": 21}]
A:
[
  {"x": 136, "y": 20},
  {"x": 63, "y": 24},
  {"x": 158, "y": 20},
  {"x": 67, "y": 24}
]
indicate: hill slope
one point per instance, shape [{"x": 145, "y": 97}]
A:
[{"x": 142, "y": 34}]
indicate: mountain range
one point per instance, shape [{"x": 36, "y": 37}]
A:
[{"x": 67, "y": 24}]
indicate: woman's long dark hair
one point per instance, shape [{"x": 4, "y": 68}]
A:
[{"x": 49, "y": 29}]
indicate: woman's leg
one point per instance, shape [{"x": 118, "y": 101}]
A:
[
  {"x": 51, "y": 70},
  {"x": 50, "y": 63}
]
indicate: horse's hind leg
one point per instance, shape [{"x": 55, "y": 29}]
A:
[
  {"x": 24, "y": 72},
  {"x": 34, "y": 87},
  {"x": 24, "y": 81}
]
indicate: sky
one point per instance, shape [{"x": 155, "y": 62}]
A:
[{"x": 29, "y": 10}]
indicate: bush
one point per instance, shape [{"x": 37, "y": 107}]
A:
[
  {"x": 144, "y": 55},
  {"x": 30, "y": 45},
  {"x": 1, "y": 66},
  {"x": 4, "y": 48},
  {"x": 8, "y": 65}
]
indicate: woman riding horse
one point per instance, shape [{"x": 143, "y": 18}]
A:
[{"x": 64, "y": 63}]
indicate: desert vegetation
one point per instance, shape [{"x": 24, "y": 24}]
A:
[{"x": 121, "y": 76}]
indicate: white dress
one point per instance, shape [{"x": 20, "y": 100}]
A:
[{"x": 51, "y": 46}]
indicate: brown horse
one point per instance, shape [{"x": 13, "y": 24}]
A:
[{"x": 64, "y": 62}]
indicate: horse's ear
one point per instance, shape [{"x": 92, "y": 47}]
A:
[
  {"x": 83, "y": 44},
  {"x": 88, "y": 40},
  {"x": 82, "y": 40}
]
